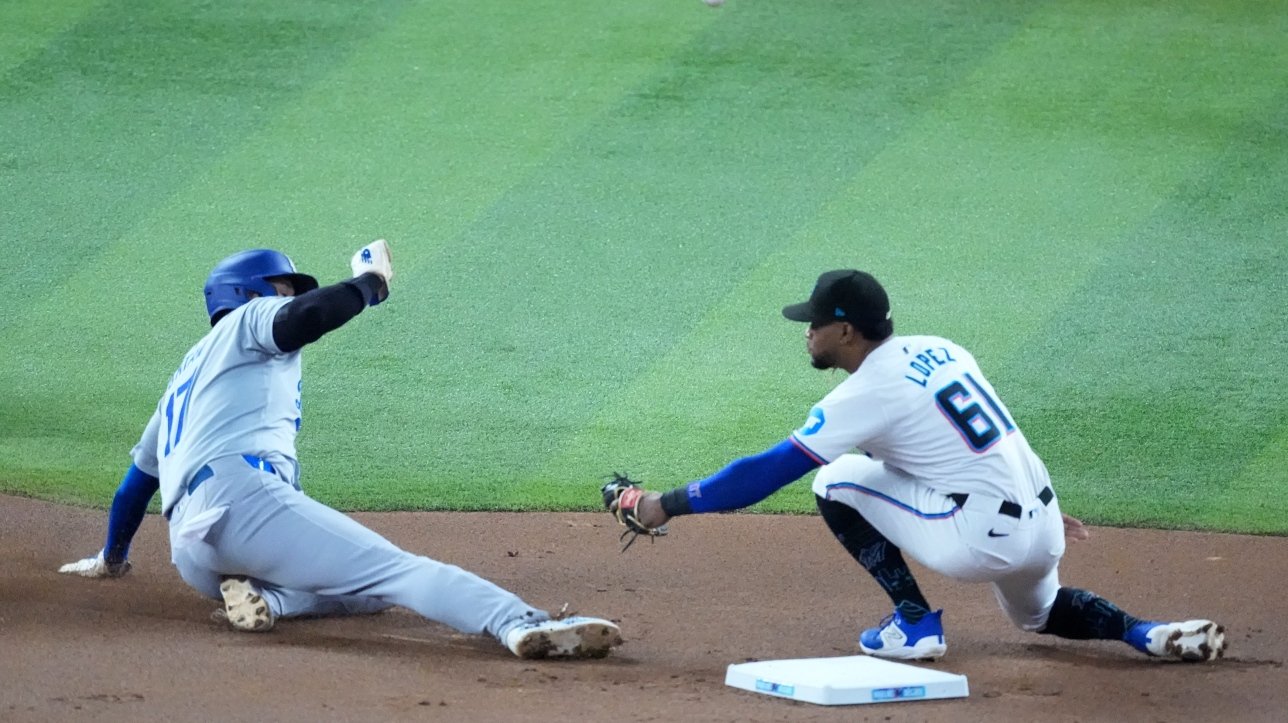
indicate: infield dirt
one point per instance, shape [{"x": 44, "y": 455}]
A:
[{"x": 720, "y": 589}]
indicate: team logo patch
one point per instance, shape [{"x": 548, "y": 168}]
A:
[{"x": 815, "y": 421}]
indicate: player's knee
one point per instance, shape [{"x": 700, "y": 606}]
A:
[
  {"x": 848, "y": 468},
  {"x": 202, "y": 581},
  {"x": 835, "y": 471},
  {"x": 821, "y": 480},
  {"x": 838, "y": 516},
  {"x": 1027, "y": 620}
]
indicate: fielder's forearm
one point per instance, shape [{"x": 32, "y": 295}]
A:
[
  {"x": 128, "y": 508},
  {"x": 742, "y": 483},
  {"x": 312, "y": 314}
]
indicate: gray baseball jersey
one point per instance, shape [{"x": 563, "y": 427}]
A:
[{"x": 234, "y": 393}]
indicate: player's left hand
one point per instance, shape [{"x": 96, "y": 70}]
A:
[
  {"x": 374, "y": 258},
  {"x": 639, "y": 511},
  {"x": 1074, "y": 529},
  {"x": 96, "y": 567}
]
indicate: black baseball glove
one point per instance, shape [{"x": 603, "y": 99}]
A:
[{"x": 621, "y": 496}]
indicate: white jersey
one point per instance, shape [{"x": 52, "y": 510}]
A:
[
  {"x": 921, "y": 405},
  {"x": 234, "y": 393}
]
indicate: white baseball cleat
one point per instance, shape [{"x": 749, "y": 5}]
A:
[
  {"x": 1193, "y": 641},
  {"x": 96, "y": 566},
  {"x": 245, "y": 609},
  {"x": 574, "y": 637}
]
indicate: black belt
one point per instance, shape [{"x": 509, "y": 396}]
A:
[
  {"x": 1008, "y": 508},
  {"x": 206, "y": 473}
]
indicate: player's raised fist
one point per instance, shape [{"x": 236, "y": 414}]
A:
[{"x": 374, "y": 258}]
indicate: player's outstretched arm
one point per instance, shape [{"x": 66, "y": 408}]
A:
[
  {"x": 128, "y": 509},
  {"x": 313, "y": 314},
  {"x": 741, "y": 483}
]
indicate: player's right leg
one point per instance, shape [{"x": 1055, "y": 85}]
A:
[
  {"x": 1082, "y": 615},
  {"x": 1033, "y": 599},
  {"x": 874, "y": 512}
]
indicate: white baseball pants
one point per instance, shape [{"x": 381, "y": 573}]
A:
[{"x": 972, "y": 543}]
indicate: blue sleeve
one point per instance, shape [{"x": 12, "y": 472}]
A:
[
  {"x": 128, "y": 508},
  {"x": 746, "y": 481}
]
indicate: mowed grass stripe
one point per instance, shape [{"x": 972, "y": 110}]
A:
[
  {"x": 454, "y": 288},
  {"x": 106, "y": 121},
  {"x": 1181, "y": 330},
  {"x": 730, "y": 376},
  {"x": 30, "y": 26},
  {"x": 398, "y": 142},
  {"x": 480, "y": 281},
  {"x": 958, "y": 216},
  {"x": 1090, "y": 391},
  {"x": 1153, "y": 405},
  {"x": 1253, "y": 499},
  {"x": 101, "y": 125},
  {"x": 602, "y": 259},
  {"x": 426, "y": 125},
  {"x": 1248, "y": 336}
]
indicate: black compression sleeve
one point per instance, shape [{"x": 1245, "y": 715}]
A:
[
  {"x": 676, "y": 502},
  {"x": 314, "y": 313},
  {"x": 373, "y": 287}
]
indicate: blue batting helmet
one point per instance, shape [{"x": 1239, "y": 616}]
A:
[{"x": 231, "y": 281}]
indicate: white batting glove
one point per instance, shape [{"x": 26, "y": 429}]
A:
[
  {"x": 374, "y": 258},
  {"x": 96, "y": 567}
]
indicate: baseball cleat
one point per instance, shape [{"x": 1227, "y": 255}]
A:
[
  {"x": 96, "y": 566},
  {"x": 1192, "y": 641},
  {"x": 573, "y": 637},
  {"x": 245, "y": 609},
  {"x": 897, "y": 639}
]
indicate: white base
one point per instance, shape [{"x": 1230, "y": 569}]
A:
[{"x": 845, "y": 681}]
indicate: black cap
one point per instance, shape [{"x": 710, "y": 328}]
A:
[{"x": 846, "y": 295}]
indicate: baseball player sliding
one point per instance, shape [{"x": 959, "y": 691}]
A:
[
  {"x": 221, "y": 449},
  {"x": 945, "y": 475}
]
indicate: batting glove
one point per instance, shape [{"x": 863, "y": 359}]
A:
[
  {"x": 374, "y": 258},
  {"x": 96, "y": 566}
]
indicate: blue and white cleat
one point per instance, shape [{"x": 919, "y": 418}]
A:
[
  {"x": 898, "y": 640},
  {"x": 572, "y": 637},
  {"x": 1193, "y": 641}
]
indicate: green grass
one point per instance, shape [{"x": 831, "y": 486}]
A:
[{"x": 597, "y": 209}]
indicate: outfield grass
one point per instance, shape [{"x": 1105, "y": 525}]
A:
[{"x": 597, "y": 209}]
